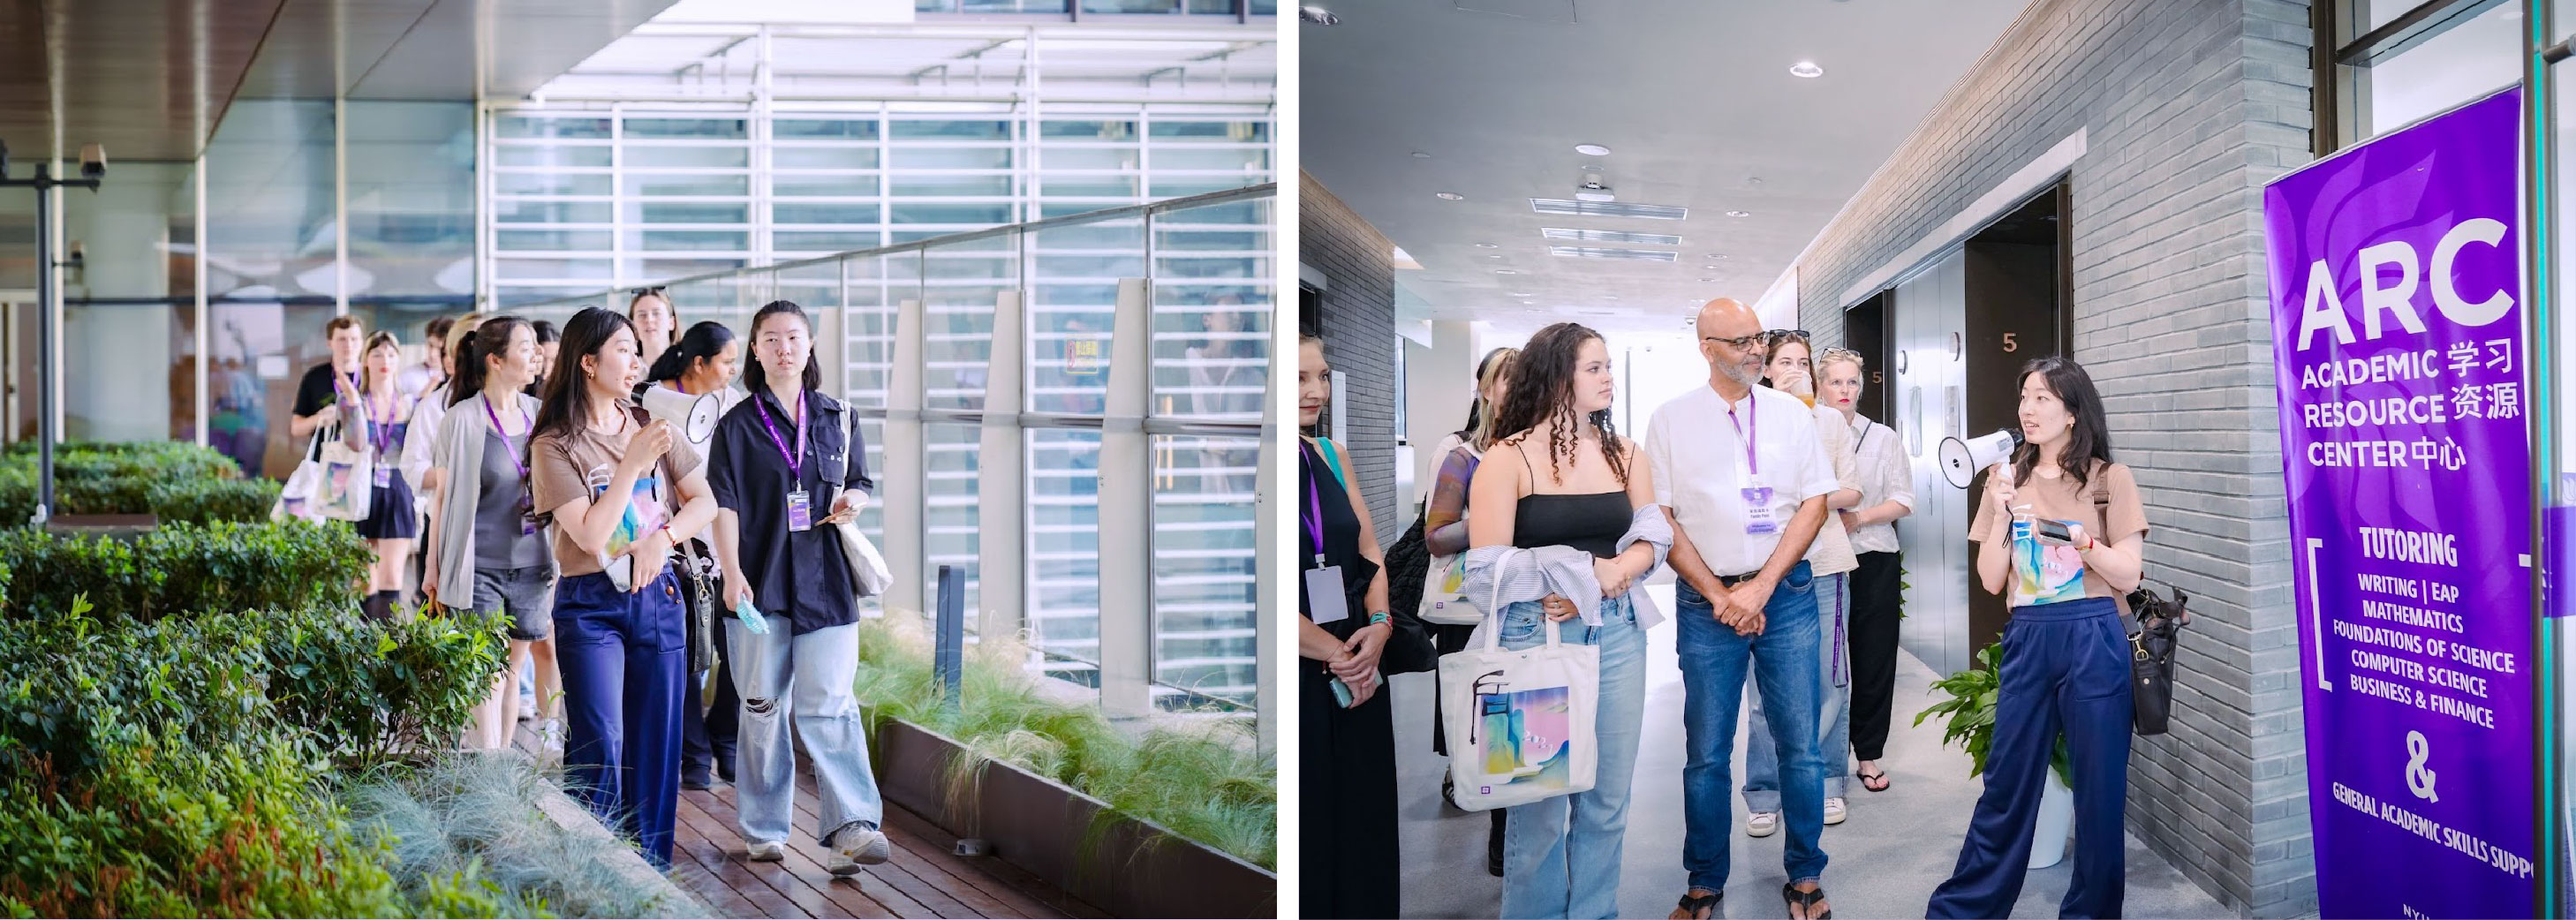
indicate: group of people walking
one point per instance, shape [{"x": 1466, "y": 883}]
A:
[
  {"x": 555, "y": 489},
  {"x": 1773, "y": 503}
]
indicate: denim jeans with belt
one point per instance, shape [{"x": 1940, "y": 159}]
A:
[
  {"x": 800, "y": 683},
  {"x": 1561, "y": 855},
  {"x": 1782, "y": 658},
  {"x": 1833, "y": 738}
]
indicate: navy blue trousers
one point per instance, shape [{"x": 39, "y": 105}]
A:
[
  {"x": 2065, "y": 668},
  {"x": 624, "y": 659}
]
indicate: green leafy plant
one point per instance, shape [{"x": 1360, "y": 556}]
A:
[
  {"x": 184, "y": 567},
  {"x": 1211, "y": 785},
  {"x": 205, "y": 501},
  {"x": 122, "y": 478},
  {"x": 1969, "y": 714}
]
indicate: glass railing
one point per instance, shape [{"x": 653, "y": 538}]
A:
[{"x": 1099, "y": 500}]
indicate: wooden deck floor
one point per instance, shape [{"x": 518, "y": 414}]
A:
[{"x": 925, "y": 879}]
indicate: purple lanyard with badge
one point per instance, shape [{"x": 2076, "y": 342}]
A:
[
  {"x": 1326, "y": 599},
  {"x": 527, "y": 504},
  {"x": 1760, "y": 518},
  {"x": 380, "y": 434},
  {"x": 800, "y": 507}
]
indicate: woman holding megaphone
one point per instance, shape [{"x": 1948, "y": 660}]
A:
[
  {"x": 699, "y": 369},
  {"x": 2061, "y": 534}
]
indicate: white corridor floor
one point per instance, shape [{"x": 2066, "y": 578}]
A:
[{"x": 1885, "y": 860}]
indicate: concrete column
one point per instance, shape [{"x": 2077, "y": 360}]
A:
[
  {"x": 1001, "y": 483},
  {"x": 1266, "y": 622},
  {"x": 905, "y": 484},
  {"x": 1439, "y": 386},
  {"x": 1126, "y": 510}
]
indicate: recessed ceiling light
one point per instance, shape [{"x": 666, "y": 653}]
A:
[
  {"x": 1316, "y": 15},
  {"x": 1449, "y": 196},
  {"x": 1493, "y": 257},
  {"x": 1806, "y": 69},
  {"x": 1717, "y": 255},
  {"x": 1739, "y": 213},
  {"x": 1709, "y": 267},
  {"x": 1529, "y": 301},
  {"x": 1592, "y": 150},
  {"x": 1489, "y": 245},
  {"x": 1419, "y": 155},
  {"x": 1505, "y": 271},
  {"x": 1708, "y": 281},
  {"x": 1518, "y": 294}
]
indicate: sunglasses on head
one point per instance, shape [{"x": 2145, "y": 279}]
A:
[{"x": 1777, "y": 334}]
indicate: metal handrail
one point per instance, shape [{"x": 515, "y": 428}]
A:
[{"x": 1249, "y": 192}]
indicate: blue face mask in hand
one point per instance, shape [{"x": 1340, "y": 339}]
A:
[{"x": 751, "y": 618}]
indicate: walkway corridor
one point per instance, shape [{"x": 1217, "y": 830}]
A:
[
  {"x": 1886, "y": 859},
  {"x": 925, "y": 879}
]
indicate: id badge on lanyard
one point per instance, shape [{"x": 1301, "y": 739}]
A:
[
  {"x": 1325, "y": 601},
  {"x": 800, "y": 510},
  {"x": 1761, "y": 515},
  {"x": 800, "y": 505}
]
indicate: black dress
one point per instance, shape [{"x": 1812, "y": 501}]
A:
[{"x": 1346, "y": 757}]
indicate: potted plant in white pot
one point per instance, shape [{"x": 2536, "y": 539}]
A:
[{"x": 1970, "y": 723}]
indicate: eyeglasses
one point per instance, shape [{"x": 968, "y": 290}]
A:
[{"x": 1739, "y": 343}]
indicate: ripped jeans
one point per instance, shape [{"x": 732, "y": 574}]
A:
[{"x": 801, "y": 682}]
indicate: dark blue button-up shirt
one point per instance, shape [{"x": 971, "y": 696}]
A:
[{"x": 801, "y": 576}]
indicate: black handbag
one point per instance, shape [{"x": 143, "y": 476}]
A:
[
  {"x": 1408, "y": 648},
  {"x": 698, "y": 587},
  {"x": 2151, "y": 657}
]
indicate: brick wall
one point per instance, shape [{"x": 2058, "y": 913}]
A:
[
  {"x": 2189, "y": 106},
  {"x": 1359, "y": 337}
]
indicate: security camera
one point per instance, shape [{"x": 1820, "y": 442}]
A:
[{"x": 93, "y": 161}]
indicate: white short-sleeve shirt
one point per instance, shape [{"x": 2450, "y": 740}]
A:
[{"x": 1701, "y": 468}]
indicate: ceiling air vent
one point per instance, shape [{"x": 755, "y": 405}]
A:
[
  {"x": 1593, "y": 252},
  {"x": 1611, "y": 236},
  {"x": 1609, "y": 209}
]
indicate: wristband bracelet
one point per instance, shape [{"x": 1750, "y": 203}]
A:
[{"x": 1380, "y": 616}]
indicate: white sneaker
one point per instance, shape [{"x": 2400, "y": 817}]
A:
[
  {"x": 551, "y": 731},
  {"x": 859, "y": 845},
  {"x": 1834, "y": 810},
  {"x": 767, "y": 851},
  {"x": 1762, "y": 823}
]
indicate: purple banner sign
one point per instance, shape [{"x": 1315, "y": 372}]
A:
[{"x": 2398, "y": 338}]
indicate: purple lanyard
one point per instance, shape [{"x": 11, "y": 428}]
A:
[
  {"x": 1315, "y": 520},
  {"x": 796, "y": 460},
  {"x": 379, "y": 431},
  {"x": 1747, "y": 430},
  {"x": 505, "y": 437}
]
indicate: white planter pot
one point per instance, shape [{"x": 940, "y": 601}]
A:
[{"x": 2056, "y": 821}]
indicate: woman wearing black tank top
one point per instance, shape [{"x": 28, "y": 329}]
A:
[{"x": 1571, "y": 482}]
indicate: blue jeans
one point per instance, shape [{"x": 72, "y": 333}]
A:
[
  {"x": 622, "y": 656},
  {"x": 1783, "y": 659},
  {"x": 1561, "y": 855},
  {"x": 800, "y": 685},
  {"x": 1761, "y": 757}
]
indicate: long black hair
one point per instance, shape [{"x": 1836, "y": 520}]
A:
[
  {"x": 755, "y": 377},
  {"x": 1543, "y": 393},
  {"x": 703, "y": 342},
  {"x": 474, "y": 351},
  {"x": 567, "y": 396},
  {"x": 2091, "y": 438}
]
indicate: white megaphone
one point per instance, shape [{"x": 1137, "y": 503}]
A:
[
  {"x": 1960, "y": 460},
  {"x": 694, "y": 416}
]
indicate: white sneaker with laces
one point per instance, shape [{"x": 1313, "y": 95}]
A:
[
  {"x": 1762, "y": 823},
  {"x": 766, "y": 850},
  {"x": 859, "y": 845},
  {"x": 1834, "y": 812}
]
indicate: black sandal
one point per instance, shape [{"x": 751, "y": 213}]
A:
[
  {"x": 1802, "y": 902},
  {"x": 1699, "y": 906},
  {"x": 1880, "y": 778}
]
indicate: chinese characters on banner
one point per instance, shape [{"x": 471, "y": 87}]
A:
[{"x": 2399, "y": 356}]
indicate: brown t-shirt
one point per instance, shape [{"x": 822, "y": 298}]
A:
[
  {"x": 561, "y": 468},
  {"x": 2060, "y": 499}
]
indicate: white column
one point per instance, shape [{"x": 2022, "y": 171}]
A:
[
  {"x": 1265, "y": 573},
  {"x": 1440, "y": 383},
  {"x": 904, "y": 486},
  {"x": 1000, "y": 483},
  {"x": 1126, "y": 510}
]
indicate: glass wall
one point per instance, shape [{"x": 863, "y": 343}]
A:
[
  {"x": 2451, "y": 52},
  {"x": 1204, "y": 269}
]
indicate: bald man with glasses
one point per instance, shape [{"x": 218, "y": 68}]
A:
[{"x": 1746, "y": 498}]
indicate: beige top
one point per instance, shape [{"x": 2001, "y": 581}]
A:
[
  {"x": 1832, "y": 554},
  {"x": 561, "y": 468},
  {"x": 2061, "y": 499}
]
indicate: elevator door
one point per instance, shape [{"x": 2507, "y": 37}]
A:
[{"x": 1926, "y": 318}]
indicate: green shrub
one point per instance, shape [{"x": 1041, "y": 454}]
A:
[
  {"x": 1211, "y": 785},
  {"x": 76, "y": 692},
  {"x": 121, "y": 478},
  {"x": 185, "y": 567},
  {"x": 205, "y": 501},
  {"x": 371, "y": 690}
]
